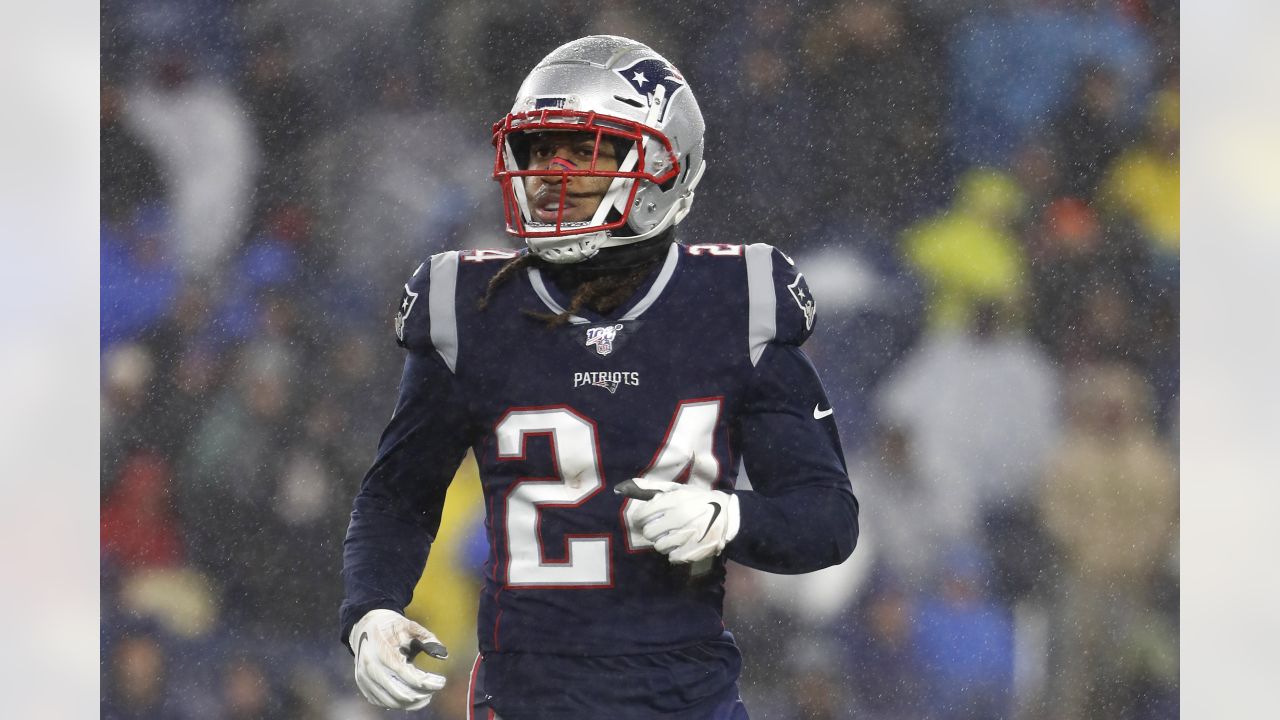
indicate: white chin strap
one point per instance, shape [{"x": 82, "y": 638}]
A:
[{"x": 567, "y": 250}]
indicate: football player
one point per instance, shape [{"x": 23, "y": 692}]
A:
[{"x": 610, "y": 382}]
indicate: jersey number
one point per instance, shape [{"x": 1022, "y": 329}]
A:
[
  {"x": 485, "y": 254},
  {"x": 717, "y": 249},
  {"x": 575, "y": 451}
]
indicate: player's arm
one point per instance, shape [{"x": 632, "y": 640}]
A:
[
  {"x": 396, "y": 514},
  {"x": 393, "y": 522},
  {"x": 801, "y": 514}
]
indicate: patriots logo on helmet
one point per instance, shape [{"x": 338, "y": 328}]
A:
[{"x": 646, "y": 76}]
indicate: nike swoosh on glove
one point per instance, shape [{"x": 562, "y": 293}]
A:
[
  {"x": 385, "y": 642},
  {"x": 686, "y": 524}
]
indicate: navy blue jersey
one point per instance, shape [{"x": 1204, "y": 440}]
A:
[{"x": 699, "y": 373}]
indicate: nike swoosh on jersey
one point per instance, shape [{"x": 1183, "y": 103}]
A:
[
  {"x": 715, "y": 514},
  {"x": 819, "y": 414}
]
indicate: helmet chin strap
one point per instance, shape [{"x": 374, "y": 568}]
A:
[{"x": 582, "y": 248}]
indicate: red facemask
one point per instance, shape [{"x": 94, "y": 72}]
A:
[{"x": 506, "y": 135}]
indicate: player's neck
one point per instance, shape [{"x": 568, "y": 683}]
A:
[{"x": 618, "y": 262}]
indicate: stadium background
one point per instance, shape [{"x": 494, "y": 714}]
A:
[{"x": 984, "y": 197}]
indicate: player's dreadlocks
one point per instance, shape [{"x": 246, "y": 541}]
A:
[
  {"x": 505, "y": 273},
  {"x": 596, "y": 284}
]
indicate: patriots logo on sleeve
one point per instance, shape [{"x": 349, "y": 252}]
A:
[
  {"x": 646, "y": 76},
  {"x": 800, "y": 293},
  {"x": 406, "y": 306}
]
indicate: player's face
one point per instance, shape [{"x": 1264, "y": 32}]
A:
[{"x": 570, "y": 151}]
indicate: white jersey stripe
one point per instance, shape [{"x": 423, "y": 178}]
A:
[
  {"x": 540, "y": 289},
  {"x": 440, "y": 301},
  {"x": 762, "y": 312},
  {"x": 664, "y": 277}
]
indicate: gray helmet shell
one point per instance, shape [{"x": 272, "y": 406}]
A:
[{"x": 619, "y": 78}]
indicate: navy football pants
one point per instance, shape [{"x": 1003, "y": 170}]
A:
[{"x": 695, "y": 683}]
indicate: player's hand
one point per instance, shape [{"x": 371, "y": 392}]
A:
[
  {"x": 686, "y": 524},
  {"x": 385, "y": 643}
]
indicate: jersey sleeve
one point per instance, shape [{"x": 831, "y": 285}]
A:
[
  {"x": 801, "y": 514},
  {"x": 781, "y": 307},
  {"x": 396, "y": 513},
  {"x": 426, "y": 319}
]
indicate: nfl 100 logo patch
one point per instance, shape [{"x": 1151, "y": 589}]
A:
[{"x": 603, "y": 337}]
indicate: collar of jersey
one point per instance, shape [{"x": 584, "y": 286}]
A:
[{"x": 554, "y": 299}]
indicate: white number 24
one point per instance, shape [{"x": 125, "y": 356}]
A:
[{"x": 576, "y": 455}]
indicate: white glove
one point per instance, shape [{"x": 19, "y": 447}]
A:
[
  {"x": 385, "y": 642},
  {"x": 687, "y": 524}
]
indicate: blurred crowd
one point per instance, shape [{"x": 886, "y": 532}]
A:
[{"x": 983, "y": 195}]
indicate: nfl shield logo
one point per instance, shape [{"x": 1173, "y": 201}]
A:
[{"x": 603, "y": 337}]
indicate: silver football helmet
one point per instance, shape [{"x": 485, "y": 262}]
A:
[{"x": 620, "y": 92}]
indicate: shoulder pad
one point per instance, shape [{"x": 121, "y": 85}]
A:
[
  {"x": 781, "y": 307},
  {"x": 425, "y": 317}
]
